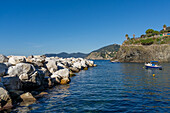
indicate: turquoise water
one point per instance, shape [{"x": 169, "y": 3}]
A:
[{"x": 109, "y": 87}]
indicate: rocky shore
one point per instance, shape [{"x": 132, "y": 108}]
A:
[{"x": 23, "y": 79}]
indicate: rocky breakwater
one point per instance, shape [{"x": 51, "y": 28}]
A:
[
  {"x": 23, "y": 78},
  {"x": 143, "y": 53}
]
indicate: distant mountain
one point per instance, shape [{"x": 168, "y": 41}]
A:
[
  {"x": 104, "y": 53},
  {"x": 67, "y": 55}
]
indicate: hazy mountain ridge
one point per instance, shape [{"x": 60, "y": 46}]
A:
[{"x": 67, "y": 55}]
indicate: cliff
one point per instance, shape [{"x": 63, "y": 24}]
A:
[
  {"x": 104, "y": 53},
  {"x": 143, "y": 53}
]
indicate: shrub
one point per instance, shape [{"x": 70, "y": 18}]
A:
[{"x": 147, "y": 42}]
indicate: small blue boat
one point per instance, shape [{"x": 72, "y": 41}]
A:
[{"x": 153, "y": 64}]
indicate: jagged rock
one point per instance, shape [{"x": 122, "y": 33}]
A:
[
  {"x": 52, "y": 66},
  {"x": 29, "y": 77},
  {"x": 17, "y": 59},
  {"x": 31, "y": 82},
  {"x": 5, "y": 100},
  {"x": 3, "y": 69},
  {"x": 21, "y": 68},
  {"x": 3, "y": 58}
]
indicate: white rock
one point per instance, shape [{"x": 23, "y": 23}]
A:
[
  {"x": 17, "y": 59},
  {"x": 77, "y": 65},
  {"x": 21, "y": 68},
  {"x": 52, "y": 66},
  {"x": 64, "y": 73}
]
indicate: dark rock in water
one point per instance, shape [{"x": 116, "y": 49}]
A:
[
  {"x": 3, "y": 58},
  {"x": 27, "y": 98},
  {"x": 65, "y": 81},
  {"x": 85, "y": 68},
  {"x": 72, "y": 74}
]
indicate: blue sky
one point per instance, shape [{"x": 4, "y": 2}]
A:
[{"x": 52, "y": 26}]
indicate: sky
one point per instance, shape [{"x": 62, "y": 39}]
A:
[{"x": 36, "y": 27}]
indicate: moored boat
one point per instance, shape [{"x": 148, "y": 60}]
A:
[{"x": 153, "y": 64}]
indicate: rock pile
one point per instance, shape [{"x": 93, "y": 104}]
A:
[{"x": 21, "y": 77}]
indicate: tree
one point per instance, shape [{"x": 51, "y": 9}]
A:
[
  {"x": 126, "y": 36},
  {"x": 149, "y": 31},
  {"x": 156, "y": 32},
  {"x": 164, "y": 26}
]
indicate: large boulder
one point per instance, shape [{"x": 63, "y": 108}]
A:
[
  {"x": 3, "y": 58},
  {"x": 64, "y": 73},
  {"x": 5, "y": 100},
  {"x": 31, "y": 82},
  {"x": 83, "y": 64},
  {"x": 17, "y": 59},
  {"x": 3, "y": 69},
  {"x": 29, "y": 76},
  {"x": 52, "y": 66},
  {"x": 11, "y": 83},
  {"x": 21, "y": 68}
]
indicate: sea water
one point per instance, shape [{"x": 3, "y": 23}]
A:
[{"x": 109, "y": 87}]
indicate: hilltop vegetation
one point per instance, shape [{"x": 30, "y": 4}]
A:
[
  {"x": 104, "y": 53},
  {"x": 148, "y": 40},
  {"x": 151, "y": 37}
]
